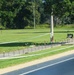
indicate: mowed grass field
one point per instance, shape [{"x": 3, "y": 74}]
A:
[{"x": 11, "y": 40}]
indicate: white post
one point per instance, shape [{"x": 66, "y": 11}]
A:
[{"x": 51, "y": 29}]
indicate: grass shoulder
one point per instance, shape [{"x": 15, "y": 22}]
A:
[{"x": 36, "y": 55}]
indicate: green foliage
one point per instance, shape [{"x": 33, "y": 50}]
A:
[
  {"x": 42, "y": 26},
  {"x": 63, "y": 9},
  {"x": 20, "y": 13}
]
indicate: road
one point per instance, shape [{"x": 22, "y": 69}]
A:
[{"x": 60, "y": 66}]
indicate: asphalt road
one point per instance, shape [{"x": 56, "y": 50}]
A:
[{"x": 60, "y": 66}]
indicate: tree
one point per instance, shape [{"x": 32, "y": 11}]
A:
[
  {"x": 60, "y": 8},
  {"x": 35, "y": 13},
  {"x": 49, "y": 8},
  {"x": 9, "y": 9},
  {"x": 18, "y": 13}
]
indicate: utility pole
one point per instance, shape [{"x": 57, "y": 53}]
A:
[
  {"x": 34, "y": 14},
  {"x": 51, "y": 29}
]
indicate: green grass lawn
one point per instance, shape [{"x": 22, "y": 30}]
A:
[
  {"x": 44, "y": 53},
  {"x": 18, "y": 38}
]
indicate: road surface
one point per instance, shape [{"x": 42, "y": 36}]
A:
[{"x": 60, "y": 66}]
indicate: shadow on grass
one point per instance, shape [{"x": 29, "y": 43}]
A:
[
  {"x": 21, "y": 44},
  {"x": 30, "y": 32},
  {"x": 16, "y": 44},
  {"x": 61, "y": 31}
]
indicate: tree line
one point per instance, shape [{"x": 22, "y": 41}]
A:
[{"x": 18, "y": 14}]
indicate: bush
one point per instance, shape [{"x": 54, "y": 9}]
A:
[
  {"x": 42, "y": 26},
  {"x": 2, "y": 27}
]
